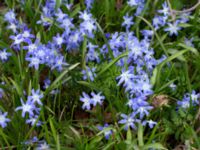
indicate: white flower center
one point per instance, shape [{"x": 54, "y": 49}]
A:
[{"x": 2, "y": 119}]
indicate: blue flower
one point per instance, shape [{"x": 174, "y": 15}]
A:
[
  {"x": 194, "y": 97},
  {"x": 97, "y": 98},
  {"x": 189, "y": 99},
  {"x": 125, "y": 77},
  {"x": 28, "y": 107},
  {"x": 132, "y": 3},
  {"x": 34, "y": 62},
  {"x": 89, "y": 73},
  {"x": 184, "y": 17},
  {"x": 4, "y": 55},
  {"x": 87, "y": 27},
  {"x": 69, "y": 6},
  {"x": 13, "y": 26},
  {"x": 31, "y": 141},
  {"x": 188, "y": 42},
  {"x": 147, "y": 33},
  {"x": 60, "y": 15},
  {"x": 143, "y": 111},
  {"x": 43, "y": 146},
  {"x": 151, "y": 123},
  {"x": 59, "y": 63},
  {"x": 3, "y": 119},
  {"x": 135, "y": 50},
  {"x": 10, "y": 16},
  {"x": 140, "y": 8},
  {"x": 89, "y": 3},
  {"x": 128, "y": 21},
  {"x": 137, "y": 102},
  {"x": 184, "y": 103},
  {"x": 92, "y": 55},
  {"x": 116, "y": 41},
  {"x": 32, "y": 120},
  {"x": 47, "y": 83},
  {"x": 18, "y": 39},
  {"x": 165, "y": 11},
  {"x": 173, "y": 28},
  {"x": 44, "y": 21},
  {"x": 87, "y": 101},
  {"x": 1, "y": 93},
  {"x": 36, "y": 96},
  {"x": 85, "y": 16},
  {"x": 26, "y": 34},
  {"x": 74, "y": 40},
  {"x": 129, "y": 121},
  {"x": 158, "y": 21},
  {"x": 107, "y": 133},
  {"x": 173, "y": 86},
  {"x": 67, "y": 23}
]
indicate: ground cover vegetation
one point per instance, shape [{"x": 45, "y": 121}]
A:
[{"x": 99, "y": 74}]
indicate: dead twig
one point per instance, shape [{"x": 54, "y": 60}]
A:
[{"x": 186, "y": 10}]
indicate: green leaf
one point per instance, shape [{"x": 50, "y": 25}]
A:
[
  {"x": 108, "y": 145},
  {"x": 158, "y": 69},
  {"x": 174, "y": 51},
  {"x": 157, "y": 36},
  {"x": 17, "y": 87},
  {"x": 4, "y": 136},
  {"x": 185, "y": 25},
  {"x": 153, "y": 145},
  {"x": 53, "y": 130},
  {"x": 96, "y": 139},
  {"x": 4, "y": 45},
  {"x": 90, "y": 85},
  {"x": 140, "y": 135},
  {"x": 105, "y": 40},
  {"x": 76, "y": 11},
  {"x": 48, "y": 20},
  {"x": 60, "y": 77},
  {"x": 192, "y": 49},
  {"x": 112, "y": 63},
  {"x": 154, "y": 76},
  {"x": 165, "y": 85},
  {"x": 58, "y": 3},
  {"x": 84, "y": 49},
  {"x": 75, "y": 132},
  {"x": 129, "y": 135}
]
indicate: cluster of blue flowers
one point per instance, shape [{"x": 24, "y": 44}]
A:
[
  {"x": 41, "y": 144},
  {"x": 31, "y": 107},
  {"x": 136, "y": 77},
  {"x": 88, "y": 101},
  {"x": 136, "y": 68},
  {"x": 37, "y": 53},
  {"x": 167, "y": 17},
  {"x": 139, "y": 4},
  {"x": 140, "y": 63},
  {"x": 189, "y": 99}
]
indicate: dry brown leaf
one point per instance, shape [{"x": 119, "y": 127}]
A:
[{"x": 160, "y": 100}]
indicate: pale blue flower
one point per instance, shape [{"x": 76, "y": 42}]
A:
[
  {"x": 28, "y": 107},
  {"x": 3, "y": 119},
  {"x": 86, "y": 101},
  {"x": 128, "y": 21},
  {"x": 129, "y": 121},
  {"x": 107, "y": 133},
  {"x": 97, "y": 98},
  {"x": 4, "y": 55},
  {"x": 173, "y": 28},
  {"x": 36, "y": 96}
]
